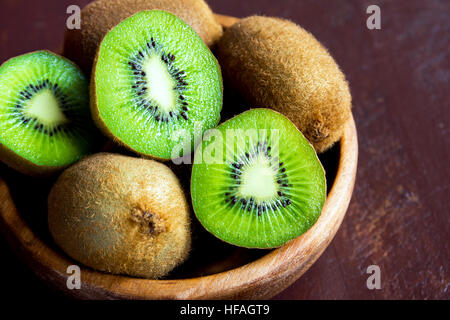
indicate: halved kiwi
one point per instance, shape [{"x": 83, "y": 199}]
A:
[
  {"x": 45, "y": 122},
  {"x": 256, "y": 181},
  {"x": 153, "y": 79}
]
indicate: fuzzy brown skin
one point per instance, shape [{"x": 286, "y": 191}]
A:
[
  {"x": 121, "y": 215},
  {"x": 100, "y": 16},
  {"x": 275, "y": 63}
]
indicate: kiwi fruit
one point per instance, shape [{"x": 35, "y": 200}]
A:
[
  {"x": 277, "y": 64},
  {"x": 98, "y": 17},
  {"x": 256, "y": 181},
  {"x": 155, "y": 85},
  {"x": 45, "y": 123},
  {"x": 121, "y": 215}
]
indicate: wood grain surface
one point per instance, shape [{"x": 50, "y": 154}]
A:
[{"x": 398, "y": 218}]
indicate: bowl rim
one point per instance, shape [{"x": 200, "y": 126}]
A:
[
  {"x": 260, "y": 279},
  {"x": 275, "y": 270}
]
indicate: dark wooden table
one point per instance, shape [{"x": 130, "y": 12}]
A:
[{"x": 399, "y": 216}]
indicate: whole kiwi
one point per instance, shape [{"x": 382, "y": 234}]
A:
[
  {"x": 277, "y": 64},
  {"x": 97, "y": 18},
  {"x": 121, "y": 215}
]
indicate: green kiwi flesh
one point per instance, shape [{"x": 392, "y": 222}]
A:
[
  {"x": 45, "y": 123},
  {"x": 256, "y": 181},
  {"x": 155, "y": 78}
]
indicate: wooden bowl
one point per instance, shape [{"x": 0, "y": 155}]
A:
[{"x": 241, "y": 274}]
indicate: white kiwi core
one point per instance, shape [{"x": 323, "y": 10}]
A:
[
  {"x": 160, "y": 83},
  {"x": 45, "y": 107},
  {"x": 258, "y": 180}
]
